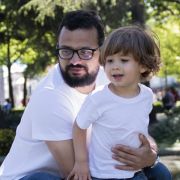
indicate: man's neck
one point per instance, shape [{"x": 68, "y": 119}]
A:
[{"x": 86, "y": 89}]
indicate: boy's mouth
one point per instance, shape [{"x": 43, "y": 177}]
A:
[{"x": 118, "y": 75}]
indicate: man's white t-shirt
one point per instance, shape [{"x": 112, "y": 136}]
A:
[
  {"x": 49, "y": 116},
  {"x": 114, "y": 120}
]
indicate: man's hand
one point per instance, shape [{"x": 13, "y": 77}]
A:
[
  {"x": 80, "y": 172},
  {"x": 136, "y": 158}
]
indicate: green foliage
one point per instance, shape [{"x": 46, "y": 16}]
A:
[
  {"x": 6, "y": 139},
  {"x": 169, "y": 36},
  {"x": 158, "y": 104},
  {"x": 31, "y": 27},
  {"x": 29, "y": 41},
  {"x": 116, "y": 13},
  {"x": 47, "y": 8},
  {"x": 162, "y": 10},
  {"x": 164, "y": 19},
  {"x": 43, "y": 16},
  {"x": 113, "y": 12}
]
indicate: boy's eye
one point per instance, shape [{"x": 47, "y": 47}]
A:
[
  {"x": 109, "y": 60},
  {"x": 124, "y": 60}
]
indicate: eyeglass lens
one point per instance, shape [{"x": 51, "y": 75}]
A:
[{"x": 85, "y": 54}]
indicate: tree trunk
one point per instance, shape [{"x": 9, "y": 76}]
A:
[
  {"x": 138, "y": 17},
  {"x": 24, "y": 101},
  {"x": 138, "y": 14},
  {"x": 9, "y": 72}
]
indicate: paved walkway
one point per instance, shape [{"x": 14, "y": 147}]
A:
[
  {"x": 173, "y": 164},
  {"x": 170, "y": 156}
]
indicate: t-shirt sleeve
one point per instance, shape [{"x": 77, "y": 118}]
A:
[
  {"x": 88, "y": 114},
  {"x": 52, "y": 116},
  {"x": 148, "y": 95},
  {"x": 151, "y": 99}
]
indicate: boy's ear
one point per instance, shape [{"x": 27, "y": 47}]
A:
[{"x": 143, "y": 69}]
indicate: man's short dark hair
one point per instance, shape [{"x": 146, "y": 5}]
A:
[{"x": 83, "y": 19}]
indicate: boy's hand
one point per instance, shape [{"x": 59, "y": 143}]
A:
[{"x": 80, "y": 172}]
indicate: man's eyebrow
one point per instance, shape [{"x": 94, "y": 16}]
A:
[
  {"x": 64, "y": 46},
  {"x": 69, "y": 47}
]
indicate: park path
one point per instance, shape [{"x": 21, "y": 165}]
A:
[
  {"x": 170, "y": 156},
  {"x": 173, "y": 164}
]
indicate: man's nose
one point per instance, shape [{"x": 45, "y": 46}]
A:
[{"x": 75, "y": 59}]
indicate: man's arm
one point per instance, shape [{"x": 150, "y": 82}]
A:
[
  {"x": 63, "y": 153},
  {"x": 136, "y": 158}
]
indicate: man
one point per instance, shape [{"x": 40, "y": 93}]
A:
[{"x": 42, "y": 148}]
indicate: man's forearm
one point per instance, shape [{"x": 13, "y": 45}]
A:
[{"x": 63, "y": 153}]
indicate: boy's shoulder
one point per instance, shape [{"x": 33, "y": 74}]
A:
[
  {"x": 146, "y": 90},
  {"x": 99, "y": 89},
  {"x": 98, "y": 93}
]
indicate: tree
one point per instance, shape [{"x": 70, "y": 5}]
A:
[
  {"x": 169, "y": 35},
  {"x": 113, "y": 12},
  {"x": 25, "y": 40},
  {"x": 164, "y": 19},
  {"x": 11, "y": 36},
  {"x": 47, "y": 8},
  {"x": 31, "y": 25},
  {"x": 161, "y": 10}
]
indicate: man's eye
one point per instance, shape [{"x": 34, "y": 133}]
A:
[
  {"x": 85, "y": 51},
  {"x": 66, "y": 51}
]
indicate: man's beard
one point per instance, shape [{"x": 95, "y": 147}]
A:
[{"x": 85, "y": 80}]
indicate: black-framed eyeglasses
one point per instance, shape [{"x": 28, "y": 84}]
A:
[{"x": 83, "y": 53}]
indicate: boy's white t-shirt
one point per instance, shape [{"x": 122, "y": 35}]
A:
[
  {"x": 48, "y": 116},
  {"x": 114, "y": 120}
]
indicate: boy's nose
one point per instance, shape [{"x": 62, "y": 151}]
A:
[{"x": 117, "y": 65}]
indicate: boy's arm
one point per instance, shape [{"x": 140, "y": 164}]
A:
[
  {"x": 81, "y": 168},
  {"x": 63, "y": 152},
  {"x": 136, "y": 158},
  {"x": 79, "y": 142}
]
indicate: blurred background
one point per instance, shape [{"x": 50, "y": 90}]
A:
[{"x": 28, "y": 36}]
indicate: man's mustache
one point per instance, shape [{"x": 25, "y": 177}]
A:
[{"x": 76, "y": 66}]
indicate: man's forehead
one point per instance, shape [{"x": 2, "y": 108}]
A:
[
  {"x": 87, "y": 37},
  {"x": 66, "y": 29}
]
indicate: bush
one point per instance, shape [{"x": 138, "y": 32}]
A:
[
  {"x": 167, "y": 131},
  {"x": 10, "y": 119},
  {"x": 6, "y": 139},
  {"x": 157, "y": 108},
  {"x": 8, "y": 124}
]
